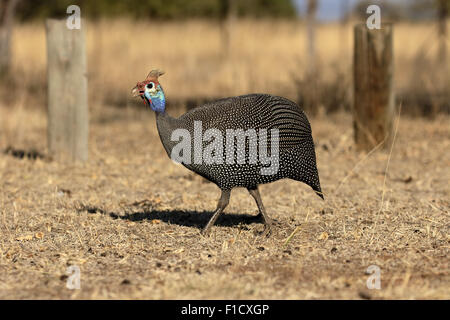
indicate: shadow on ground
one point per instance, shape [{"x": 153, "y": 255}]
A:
[
  {"x": 197, "y": 219},
  {"x": 32, "y": 154}
]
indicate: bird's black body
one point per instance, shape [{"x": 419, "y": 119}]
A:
[
  {"x": 297, "y": 159},
  {"x": 270, "y": 139}
]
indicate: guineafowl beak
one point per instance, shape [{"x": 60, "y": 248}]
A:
[{"x": 136, "y": 92}]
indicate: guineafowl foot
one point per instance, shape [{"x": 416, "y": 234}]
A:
[
  {"x": 267, "y": 231},
  {"x": 274, "y": 222}
]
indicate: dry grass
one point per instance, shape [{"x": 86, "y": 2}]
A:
[
  {"x": 264, "y": 56},
  {"x": 130, "y": 219}
]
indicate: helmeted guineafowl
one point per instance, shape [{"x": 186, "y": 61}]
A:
[{"x": 228, "y": 142}]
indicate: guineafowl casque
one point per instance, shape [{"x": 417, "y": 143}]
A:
[{"x": 210, "y": 127}]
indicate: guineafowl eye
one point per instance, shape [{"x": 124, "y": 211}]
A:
[{"x": 150, "y": 85}]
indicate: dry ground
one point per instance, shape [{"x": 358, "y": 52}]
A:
[{"x": 130, "y": 219}]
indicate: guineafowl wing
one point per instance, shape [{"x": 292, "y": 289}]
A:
[{"x": 255, "y": 111}]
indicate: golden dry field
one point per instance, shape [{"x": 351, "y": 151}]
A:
[
  {"x": 130, "y": 218},
  {"x": 263, "y": 56}
]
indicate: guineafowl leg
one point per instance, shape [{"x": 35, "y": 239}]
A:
[
  {"x": 262, "y": 211},
  {"x": 221, "y": 205}
]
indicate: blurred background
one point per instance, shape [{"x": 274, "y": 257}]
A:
[
  {"x": 129, "y": 217},
  {"x": 300, "y": 49}
]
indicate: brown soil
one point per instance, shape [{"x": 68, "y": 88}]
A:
[{"x": 130, "y": 219}]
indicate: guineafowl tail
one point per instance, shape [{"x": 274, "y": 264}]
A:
[
  {"x": 306, "y": 168},
  {"x": 312, "y": 179},
  {"x": 318, "y": 191}
]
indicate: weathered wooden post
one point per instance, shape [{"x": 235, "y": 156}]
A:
[
  {"x": 311, "y": 35},
  {"x": 67, "y": 91},
  {"x": 7, "y": 8},
  {"x": 310, "y": 87},
  {"x": 443, "y": 9},
  {"x": 374, "y": 105},
  {"x": 227, "y": 20}
]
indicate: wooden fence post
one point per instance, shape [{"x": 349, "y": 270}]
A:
[
  {"x": 374, "y": 102},
  {"x": 443, "y": 9},
  {"x": 7, "y": 8},
  {"x": 67, "y": 91}
]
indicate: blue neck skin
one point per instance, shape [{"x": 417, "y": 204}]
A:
[{"x": 157, "y": 100}]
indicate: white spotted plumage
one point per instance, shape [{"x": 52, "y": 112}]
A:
[{"x": 296, "y": 155}]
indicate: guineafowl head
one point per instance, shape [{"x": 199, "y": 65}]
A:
[{"x": 151, "y": 91}]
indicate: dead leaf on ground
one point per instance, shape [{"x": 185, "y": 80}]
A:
[
  {"x": 39, "y": 235},
  {"x": 323, "y": 236}
]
